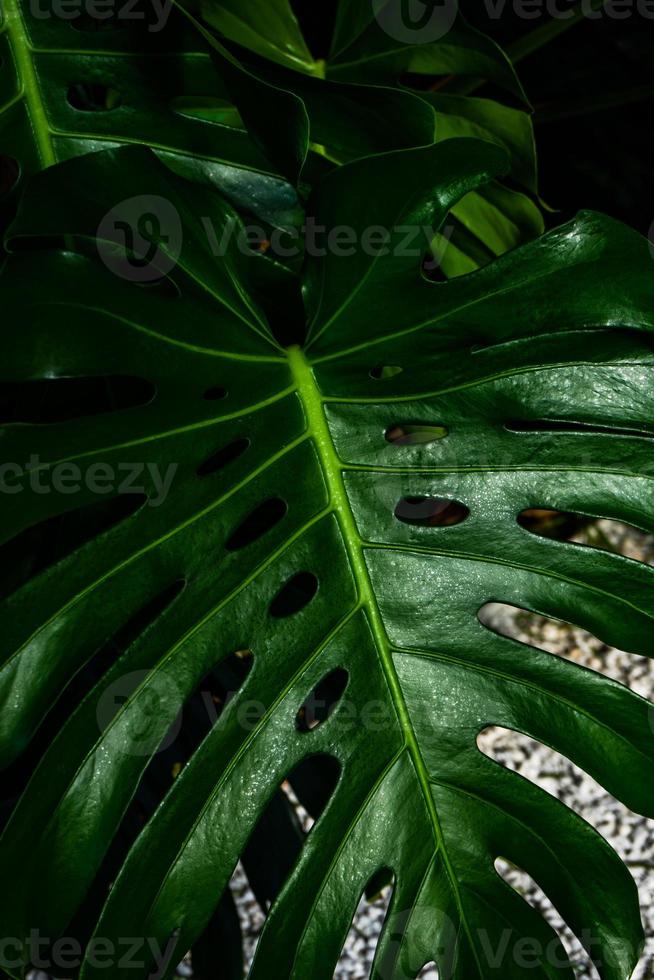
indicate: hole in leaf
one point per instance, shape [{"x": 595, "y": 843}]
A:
[
  {"x": 431, "y": 511},
  {"x": 9, "y": 173},
  {"x": 602, "y": 534},
  {"x": 201, "y": 712},
  {"x": 92, "y": 97},
  {"x": 516, "y": 623},
  {"x": 46, "y": 401},
  {"x": 367, "y": 920},
  {"x": 294, "y": 596},
  {"x": 44, "y": 544},
  {"x": 522, "y": 754},
  {"x": 560, "y": 778},
  {"x": 429, "y": 972},
  {"x": 244, "y": 654},
  {"x": 225, "y": 933},
  {"x": 380, "y": 881},
  {"x": 262, "y": 519},
  {"x": 219, "y": 460},
  {"x": 215, "y": 394},
  {"x": 313, "y": 781},
  {"x": 263, "y": 842},
  {"x": 557, "y": 425},
  {"x": 562, "y": 639},
  {"x": 381, "y": 372},
  {"x": 432, "y": 263},
  {"x": 571, "y": 949},
  {"x": 251, "y": 920},
  {"x": 555, "y": 524},
  {"x": 303, "y": 815},
  {"x": 273, "y": 849},
  {"x": 274, "y": 846},
  {"x": 322, "y": 701},
  {"x": 408, "y": 434},
  {"x": 442, "y": 260}
]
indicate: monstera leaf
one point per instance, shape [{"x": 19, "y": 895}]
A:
[
  {"x": 363, "y": 102},
  {"x": 334, "y": 514},
  {"x": 74, "y": 82}
]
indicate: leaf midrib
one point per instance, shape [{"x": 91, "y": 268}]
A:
[
  {"x": 318, "y": 429},
  {"x": 29, "y": 83}
]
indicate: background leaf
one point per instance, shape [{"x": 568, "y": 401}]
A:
[
  {"x": 269, "y": 29},
  {"x": 383, "y": 106},
  {"x": 72, "y": 87}
]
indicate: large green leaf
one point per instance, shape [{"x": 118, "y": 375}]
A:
[
  {"x": 530, "y": 383},
  {"x": 75, "y": 84}
]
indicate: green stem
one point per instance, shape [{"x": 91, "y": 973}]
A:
[
  {"x": 332, "y": 467},
  {"x": 28, "y": 80},
  {"x": 318, "y": 428}
]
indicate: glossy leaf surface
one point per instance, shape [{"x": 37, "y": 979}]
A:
[{"x": 286, "y": 525}]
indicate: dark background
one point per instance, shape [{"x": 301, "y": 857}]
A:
[{"x": 592, "y": 88}]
